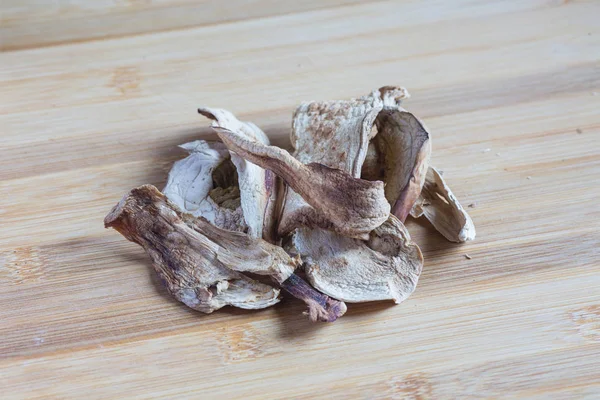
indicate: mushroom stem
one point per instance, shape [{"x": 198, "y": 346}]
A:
[{"x": 320, "y": 307}]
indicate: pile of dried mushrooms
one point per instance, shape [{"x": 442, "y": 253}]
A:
[{"x": 331, "y": 213}]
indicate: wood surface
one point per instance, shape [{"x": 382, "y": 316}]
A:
[{"x": 96, "y": 95}]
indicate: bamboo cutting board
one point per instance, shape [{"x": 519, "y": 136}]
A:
[{"x": 95, "y": 97}]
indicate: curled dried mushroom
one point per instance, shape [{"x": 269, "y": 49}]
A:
[
  {"x": 235, "y": 210},
  {"x": 438, "y": 204},
  {"x": 205, "y": 184}
]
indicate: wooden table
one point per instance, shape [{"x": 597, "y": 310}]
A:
[{"x": 95, "y": 97}]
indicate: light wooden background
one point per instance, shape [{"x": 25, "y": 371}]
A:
[{"x": 95, "y": 96}]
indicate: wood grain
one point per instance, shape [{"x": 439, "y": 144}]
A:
[{"x": 95, "y": 97}]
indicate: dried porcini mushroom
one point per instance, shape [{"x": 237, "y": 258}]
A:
[
  {"x": 181, "y": 257},
  {"x": 385, "y": 267},
  {"x": 205, "y": 184},
  {"x": 244, "y": 253},
  {"x": 438, "y": 204},
  {"x": 245, "y": 207},
  {"x": 201, "y": 264}
]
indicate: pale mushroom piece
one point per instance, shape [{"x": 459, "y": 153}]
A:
[
  {"x": 258, "y": 186},
  {"x": 200, "y": 262},
  {"x": 227, "y": 190},
  {"x": 182, "y": 258},
  {"x": 205, "y": 183},
  {"x": 335, "y": 133},
  {"x": 342, "y": 203},
  {"x": 386, "y": 267},
  {"x": 438, "y": 204}
]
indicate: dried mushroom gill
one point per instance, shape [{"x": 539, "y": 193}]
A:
[
  {"x": 201, "y": 265},
  {"x": 336, "y": 207}
]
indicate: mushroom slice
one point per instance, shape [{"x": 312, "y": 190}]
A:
[
  {"x": 201, "y": 263},
  {"x": 404, "y": 147},
  {"x": 258, "y": 186},
  {"x": 205, "y": 183},
  {"x": 341, "y": 203},
  {"x": 184, "y": 259},
  {"x": 439, "y": 205},
  {"x": 387, "y": 266},
  {"x": 340, "y": 134}
]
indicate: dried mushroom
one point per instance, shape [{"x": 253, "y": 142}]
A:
[
  {"x": 385, "y": 267},
  {"x": 403, "y": 147},
  {"x": 438, "y": 204},
  {"x": 244, "y": 253},
  {"x": 183, "y": 259},
  {"x": 205, "y": 184},
  {"x": 258, "y": 187},
  {"x": 201, "y": 264},
  {"x": 335, "y": 208},
  {"x": 338, "y": 201}
]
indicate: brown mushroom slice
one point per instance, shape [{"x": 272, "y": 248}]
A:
[
  {"x": 404, "y": 148},
  {"x": 201, "y": 263},
  {"x": 340, "y": 134},
  {"x": 342, "y": 203},
  {"x": 386, "y": 267},
  {"x": 438, "y": 204},
  {"x": 182, "y": 257},
  {"x": 205, "y": 183}
]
